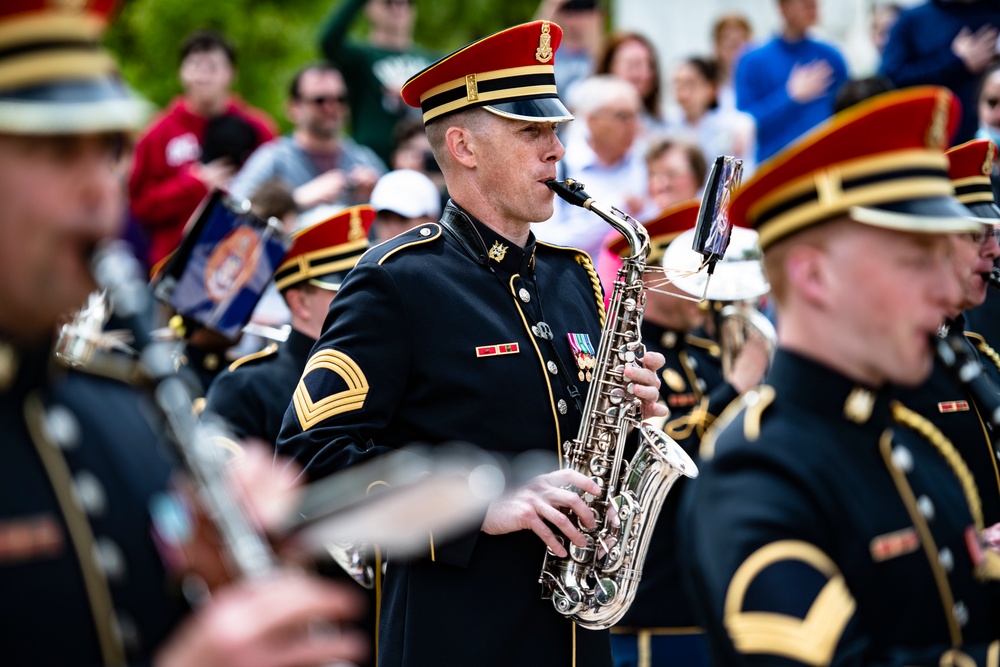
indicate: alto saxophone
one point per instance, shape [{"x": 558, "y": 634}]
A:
[{"x": 596, "y": 584}]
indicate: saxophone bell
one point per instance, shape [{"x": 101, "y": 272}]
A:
[{"x": 596, "y": 584}]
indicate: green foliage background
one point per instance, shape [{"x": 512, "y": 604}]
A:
[{"x": 274, "y": 37}]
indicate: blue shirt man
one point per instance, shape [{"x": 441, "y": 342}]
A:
[{"x": 789, "y": 83}]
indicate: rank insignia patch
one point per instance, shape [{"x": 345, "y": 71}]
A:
[
  {"x": 311, "y": 412},
  {"x": 30, "y": 538},
  {"x": 953, "y": 406},
  {"x": 891, "y": 545},
  {"x": 496, "y": 350}
]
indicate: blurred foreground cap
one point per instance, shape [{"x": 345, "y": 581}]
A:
[
  {"x": 54, "y": 76},
  {"x": 881, "y": 162}
]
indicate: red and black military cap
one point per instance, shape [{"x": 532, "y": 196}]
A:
[
  {"x": 509, "y": 73},
  {"x": 970, "y": 166},
  {"x": 323, "y": 253},
  {"x": 54, "y": 76},
  {"x": 664, "y": 228},
  {"x": 881, "y": 162}
]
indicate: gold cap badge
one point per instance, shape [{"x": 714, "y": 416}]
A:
[{"x": 543, "y": 53}]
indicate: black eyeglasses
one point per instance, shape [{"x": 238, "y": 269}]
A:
[
  {"x": 320, "y": 100},
  {"x": 983, "y": 236}
]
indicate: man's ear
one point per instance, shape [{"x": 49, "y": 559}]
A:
[
  {"x": 295, "y": 298},
  {"x": 807, "y": 269},
  {"x": 461, "y": 146}
]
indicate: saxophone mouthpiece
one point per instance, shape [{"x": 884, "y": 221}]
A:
[
  {"x": 992, "y": 278},
  {"x": 570, "y": 190}
]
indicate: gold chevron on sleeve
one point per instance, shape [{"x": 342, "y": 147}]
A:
[
  {"x": 312, "y": 412},
  {"x": 811, "y": 640}
]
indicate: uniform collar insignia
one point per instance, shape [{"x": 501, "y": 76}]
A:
[
  {"x": 859, "y": 405},
  {"x": 498, "y": 252}
]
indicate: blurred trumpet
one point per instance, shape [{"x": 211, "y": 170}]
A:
[{"x": 736, "y": 324}]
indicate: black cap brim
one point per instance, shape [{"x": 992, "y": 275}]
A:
[
  {"x": 538, "y": 110},
  {"x": 985, "y": 210},
  {"x": 72, "y": 107},
  {"x": 931, "y": 215}
]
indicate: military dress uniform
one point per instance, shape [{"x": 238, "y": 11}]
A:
[
  {"x": 954, "y": 410},
  {"x": 253, "y": 393},
  {"x": 450, "y": 332},
  {"x": 830, "y": 524},
  {"x": 825, "y": 532},
  {"x": 971, "y": 166},
  {"x": 81, "y": 577},
  {"x": 942, "y": 399}
]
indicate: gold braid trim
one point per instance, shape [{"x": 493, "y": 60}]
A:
[
  {"x": 583, "y": 259},
  {"x": 985, "y": 348},
  {"x": 924, "y": 427}
]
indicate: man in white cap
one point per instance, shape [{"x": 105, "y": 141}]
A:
[{"x": 403, "y": 199}]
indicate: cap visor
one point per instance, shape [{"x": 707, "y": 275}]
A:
[
  {"x": 931, "y": 215},
  {"x": 986, "y": 211},
  {"x": 73, "y": 107},
  {"x": 330, "y": 281},
  {"x": 538, "y": 110}
]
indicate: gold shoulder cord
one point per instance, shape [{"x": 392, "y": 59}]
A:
[
  {"x": 985, "y": 348},
  {"x": 924, "y": 427},
  {"x": 584, "y": 261}
]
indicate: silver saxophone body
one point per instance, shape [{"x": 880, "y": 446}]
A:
[{"x": 596, "y": 584}]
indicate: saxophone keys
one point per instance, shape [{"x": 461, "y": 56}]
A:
[
  {"x": 599, "y": 467},
  {"x": 605, "y": 591}
]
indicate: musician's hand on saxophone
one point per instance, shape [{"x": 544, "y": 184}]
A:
[
  {"x": 646, "y": 384},
  {"x": 544, "y": 499}
]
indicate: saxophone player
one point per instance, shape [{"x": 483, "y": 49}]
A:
[
  {"x": 465, "y": 329},
  {"x": 830, "y": 524},
  {"x": 660, "y": 626}
]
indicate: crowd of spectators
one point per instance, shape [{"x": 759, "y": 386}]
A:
[{"x": 643, "y": 135}]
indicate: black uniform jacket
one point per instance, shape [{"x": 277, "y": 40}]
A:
[
  {"x": 953, "y": 409},
  {"x": 253, "y": 393},
  {"x": 430, "y": 340},
  {"x": 824, "y": 528},
  {"x": 81, "y": 582},
  {"x": 692, "y": 386}
]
